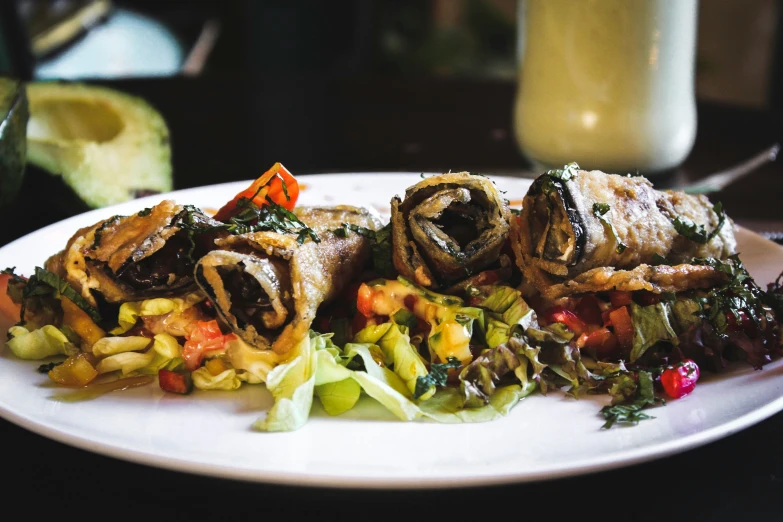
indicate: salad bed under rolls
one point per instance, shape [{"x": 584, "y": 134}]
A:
[
  {"x": 267, "y": 286},
  {"x": 573, "y": 221},
  {"x": 448, "y": 229}
]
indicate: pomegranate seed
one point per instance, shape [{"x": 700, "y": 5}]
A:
[{"x": 679, "y": 380}]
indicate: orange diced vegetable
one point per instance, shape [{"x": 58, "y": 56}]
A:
[
  {"x": 216, "y": 366},
  {"x": 81, "y": 323},
  {"x": 76, "y": 370},
  {"x": 623, "y": 327}
]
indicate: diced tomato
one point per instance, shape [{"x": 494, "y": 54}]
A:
[
  {"x": 602, "y": 341},
  {"x": 487, "y": 277},
  {"x": 9, "y": 311},
  {"x": 204, "y": 336},
  {"x": 588, "y": 309},
  {"x": 559, "y": 314},
  {"x": 175, "y": 382},
  {"x": 270, "y": 185},
  {"x": 623, "y": 327},
  {"x": 646, "y": 298},
  {"x": 364, "y": 300},
  {"x": 680, "y": 380},
  {"x": 620, "y": 298}
]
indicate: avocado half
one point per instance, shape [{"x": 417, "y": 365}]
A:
[
  {"x": 108, "y": 146},
  {"x": 14, "y": 115}
]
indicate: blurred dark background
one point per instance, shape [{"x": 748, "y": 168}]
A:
[{"x": 364, "y": 85}]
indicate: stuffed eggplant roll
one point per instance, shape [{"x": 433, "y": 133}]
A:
[
  {"x": 130, "y": 258},
  {"x": 449, "y": 229},
  {"x": 576, "y": 221},
  {"x": 267, "y": 286}
]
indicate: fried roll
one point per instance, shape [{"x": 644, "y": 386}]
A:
[
  {"x": 448, "y": 229},
  {"x": 130, "y": 258},
  {"x": 267, "y": 286},
  {"x": 574, "y": 222}
]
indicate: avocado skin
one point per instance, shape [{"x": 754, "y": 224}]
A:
[{"x": 13, "y": 142}]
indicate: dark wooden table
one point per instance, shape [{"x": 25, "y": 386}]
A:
[{"x": 227, "y": 129}]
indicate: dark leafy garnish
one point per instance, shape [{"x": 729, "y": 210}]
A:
[
  {"x": 629, "y": 411},
  {"x": 99, "y": 231},
  {"x": 566, "y": 173},
  {"x": 345, "y": 228},
  {"x": 737, "y": 296},
  {"x": 437, "y": 376},
  {"x": 44, "y": 283},
  {"x": 697, "y": 233},
  {"x": 46, "y": 368},
  {"x": 600, "y": 210},
  {"x": 658, "y": 259},
  {"x": 145, "y": 212}
]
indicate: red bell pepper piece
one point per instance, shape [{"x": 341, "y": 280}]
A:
[
  {"x": 277, "y": 184},
  {"x": 175, "y": 382}
]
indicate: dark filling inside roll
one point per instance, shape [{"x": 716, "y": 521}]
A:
[
  {"x": 452, "y": 228},
  {"x": 251, "y": 304},
  {"x": 170, "y": 266},
  {"x": 556, "y": 229}
]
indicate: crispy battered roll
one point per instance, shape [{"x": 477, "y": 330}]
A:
[
  {"x": 448, "y": 229},
  {"x": 575, "y": 221},
  {"x": 267, "y": 286},
  {"x": 129, "y": 258}
]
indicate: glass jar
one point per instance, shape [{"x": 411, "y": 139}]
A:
[{"x": 606, "y": 83}]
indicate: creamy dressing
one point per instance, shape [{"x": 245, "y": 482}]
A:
[
  {"x": 448, "y": 338},
  {"x": 607, "y": 83}
]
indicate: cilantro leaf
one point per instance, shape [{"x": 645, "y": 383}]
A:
[{"x": 600, "y": 210}]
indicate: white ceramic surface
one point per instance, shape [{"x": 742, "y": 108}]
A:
[{"x": 209, "y": 432}]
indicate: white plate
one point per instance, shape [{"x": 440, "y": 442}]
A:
[{"x": 209, "y": 432}]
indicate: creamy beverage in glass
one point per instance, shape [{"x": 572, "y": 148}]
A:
[{"x": 606, "y": 83}]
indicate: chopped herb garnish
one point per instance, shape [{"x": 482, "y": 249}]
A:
[
  {"x": 362, "y": 231},
  {"x": 46, "y": 368},
  {"x": 437, "y": 376},
  {"x": 630, "y": 412},
  {"x": 658, "y": 259},
  {"x": 43, "y": 283},
  {"x": 566, "y": 173},
  {"x": 697, "y": 233},
  {"x": 739, "y": 294},
  {"x": 145, "y": 212},
  {"x": 600, "y": 210},
  {"x": 99, "y": 231}
]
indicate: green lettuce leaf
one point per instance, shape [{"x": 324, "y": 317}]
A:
[
  {"x": 165, "y": 349},
  {"x": 131, "y": 311},
  {"x": 479, "y": 379},
  {"x": 226, "y": 380},
  {"x": 40, "y": 343},
  {"x": 113, "y": 345},
  {"x": 399, "y": 353},
  {"x": 651, "y": 324}
]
